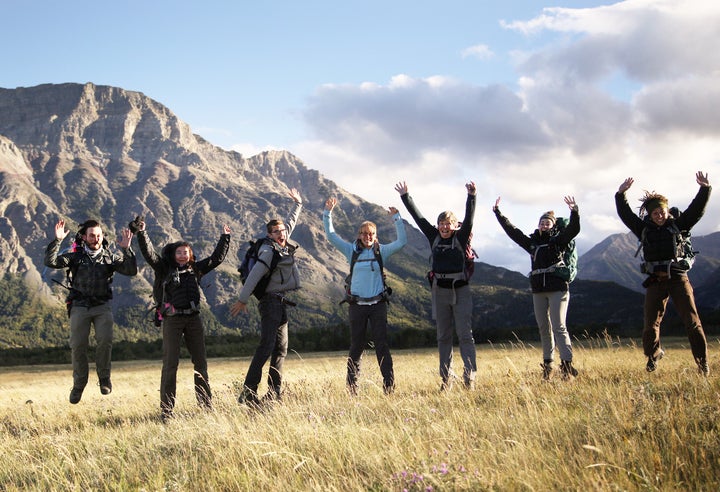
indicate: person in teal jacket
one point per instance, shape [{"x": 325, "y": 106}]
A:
[{"x": 367, "y": 294}]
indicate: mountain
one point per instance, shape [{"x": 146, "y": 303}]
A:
[{"x": 79, "y": 151}]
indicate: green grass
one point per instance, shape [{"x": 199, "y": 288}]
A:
[{"x": 615, "y": 427}]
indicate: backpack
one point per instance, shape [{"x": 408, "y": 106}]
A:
[
  {"x": 469, "y": 253},
  {"x": 251, "y": 258},
  {"x": 387, "y": 291},
  {"x": 567, "y": 271},
  {"x": 566, "y": 268},
  {"x": 684, "y": 253}
]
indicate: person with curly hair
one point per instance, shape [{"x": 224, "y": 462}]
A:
[{"x": 659, "y": 230}]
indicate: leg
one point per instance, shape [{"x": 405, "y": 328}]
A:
[
  {"x": 443, "y": 320},
  {"x": 172, "y": 327},
  {"x": 79, "y": 335},
  {"x": 378, "y": 325},
  {"x": 271, "y": 316},
  {"x": 103, "y": 321},
  {"x": 656, "y": 297},
  {"x": 195, "y": 343},
  {"x": 558, "y": 304},
  {"x": 683, "y": 298},
  {"x": 463, "y": 326},
  {"x": 541, "y": 308},
  {"x": 278, "y": 356},
  {"x": 358, "y": 317}
]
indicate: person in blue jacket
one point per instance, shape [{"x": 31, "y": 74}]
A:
[{"x": 367, "y": 293}]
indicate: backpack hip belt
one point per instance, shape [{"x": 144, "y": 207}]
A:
[
  {"x": 449, "y": 276},
  {"x": 365, "y": 301},
  {"x": 549, "y": 269}
]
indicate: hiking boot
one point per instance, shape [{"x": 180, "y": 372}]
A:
[
  {"x": 547, "y": 370},
  {"x": 652, "y": 360},
  {"x": 567, "y": 369},
  {"x": 703, "y": 367},
  {"x": 166, "y": 416},
  {"x": 352, "y": 389},
  {"x": 469, "y": 384},
  {"x": 105, "y": 386},
  {"x": 75, "y": 395},
  {"x": 389, "y": 389},
  {"x": 248, "y": 397},
  {"x": 446, "y": 385}
]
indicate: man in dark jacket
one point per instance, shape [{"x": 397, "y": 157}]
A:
[
  {"x": 666, "y": 266},
  {"x": 178, "y": 296},
  {"x": 284, "y": 278},
  {"x": 92, "y": 267}
]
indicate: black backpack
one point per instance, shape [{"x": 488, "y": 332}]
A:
[
  {"x": 251, "y": 258},
  {"x": 468, "y": 252}
]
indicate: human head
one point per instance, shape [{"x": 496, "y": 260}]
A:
[
  {"x": 547, "y": 221},
  {"x": 655, "y": 206},
  {"x": 446, "y": 224},
  {"x": 277, "y": 232},
  {"x": 183, "y": 253},
  {"x": 91, "y": 234},
  {"x": 367, "y": 233}
]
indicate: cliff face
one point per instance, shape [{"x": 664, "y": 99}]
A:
[{"x": 83, "y": 151}]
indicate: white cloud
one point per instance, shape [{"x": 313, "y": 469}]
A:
[
  {"x": 479, "y": 51},
  {"x": 559, "y": 132}
]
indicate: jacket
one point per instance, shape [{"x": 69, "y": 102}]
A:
[
  {"x": 444, "y": 258},
  {"x": 91, "y": 276},
  {"x": 179, "y": 287},
  {"x": 545, "y": 249}
]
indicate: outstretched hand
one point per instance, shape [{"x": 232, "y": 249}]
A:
[
  {"x": 126, "y": 237},
  {"x": 226, "y": 229},
  {"x": 60, "y": 231},
  {"x": 626, "y": 185},
  {"x": 295, "y": 195},
  {"x": 330, "y": 203},
  {"x": 392, "y": 211},
  {"x": 471, "y": 189},
  {"x": 702, "y": 179},
  {"x": 497, "y": 204},
  {"x": 571, "y": 203},
  {"x": 401, "y": 187}
]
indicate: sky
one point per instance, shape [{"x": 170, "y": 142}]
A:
[{"x": 533, "y": 100}]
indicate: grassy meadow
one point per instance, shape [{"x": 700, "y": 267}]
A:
[{"x": 615, "y": 427}]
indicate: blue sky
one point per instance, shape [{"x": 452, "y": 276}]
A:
[{"x": 532, "y": 100}]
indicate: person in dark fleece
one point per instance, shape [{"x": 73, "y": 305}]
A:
[{"x": 665, "y": 261}]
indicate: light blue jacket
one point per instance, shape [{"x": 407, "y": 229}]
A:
[{"x": 366, "y": 281}]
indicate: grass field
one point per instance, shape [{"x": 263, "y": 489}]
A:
[{"x": 615, "y": 427}]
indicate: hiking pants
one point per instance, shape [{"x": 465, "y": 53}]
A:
[
  {"x": 375, "y": 317},
  {"x": 175, "y": 328},
  {"x": 273, "y": 344},
  {"x": 550, "y": 313},
  {"x": 454, "y": 305},
  {"x": 677, "y": 288},
  {"x": 81, "y": 318}
]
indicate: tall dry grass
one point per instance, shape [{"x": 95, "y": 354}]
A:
[{"x": 615, "y": 427}]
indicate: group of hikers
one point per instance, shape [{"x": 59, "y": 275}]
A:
[{"x": 273, "y": 274}]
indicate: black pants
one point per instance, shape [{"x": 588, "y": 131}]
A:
[
  {"x": 374, "y": 317},
  {"x": 174, "y": 329},
  {"x": 273, "y": 344}
]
